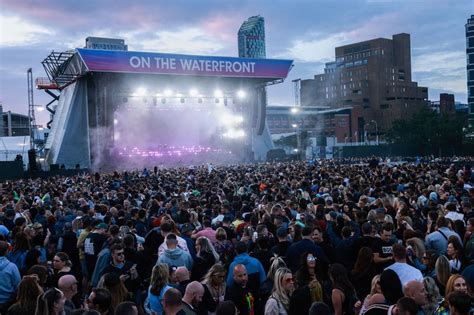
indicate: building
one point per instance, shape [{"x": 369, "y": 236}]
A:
[
  {"x": 13, "y": 125},
  {"x": 251, "y": 37},
  {"x": 105, "y": 43},
  {"x": 342, "y": 124},
  {"x": 375, "y": 75},
  {"x": 447, "y": 104},
  {"x": 470, "y": 68}
]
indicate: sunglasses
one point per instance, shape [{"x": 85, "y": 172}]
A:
[
  {"x": 288, "y": 280},
  {"x": 120, "y": 254},
  {"x": 311, "y": 258}
]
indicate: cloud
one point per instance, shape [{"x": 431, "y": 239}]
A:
[
  {"x": 440, "y": 61},
  {"x": 186, "y": 40},
  {"x": 17, "y": 31}
]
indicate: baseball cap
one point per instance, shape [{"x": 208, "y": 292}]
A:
[
  {"x": 187, "y": 227},
  {"x": 102, "y": 226}
]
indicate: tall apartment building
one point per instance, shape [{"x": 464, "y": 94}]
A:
[
  {"x": 470, "y": 62},
  {"x": 374, "y": 74},
  {"x": 251, "y": 37}
]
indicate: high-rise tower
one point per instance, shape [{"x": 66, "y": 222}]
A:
[{"x": 252, "y": 38}]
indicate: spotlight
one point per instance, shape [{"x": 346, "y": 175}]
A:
[
  {"x": 168, "y": 92},
  {"x": 193, "y": 92},
  {"x": 141, "y": 91},
  {"x": 294, "y": 110},
  {"x": 218, "y": 93},
  {"x": 115, "y": 121},
  {"x": 40, "y": 108},
  {"x": 294, "y": 125},
  {"x": 241, "y": 94}
]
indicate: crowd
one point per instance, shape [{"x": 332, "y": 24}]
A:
[{"x": 319, "y": 237}]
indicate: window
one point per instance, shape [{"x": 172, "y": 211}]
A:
[
  {"x": 470, "y": 42},
  {"x": 471, "y": 58},
  {"x": 471, "y": 91},
  {"x": 471, "y": 75}
]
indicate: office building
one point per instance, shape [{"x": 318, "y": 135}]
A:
[
  {"x": 251, "y": 37},
  {"x": 470, "y": 65},
  {"x": 105, "y": 43},
  {"x": 375, "y": 75}
]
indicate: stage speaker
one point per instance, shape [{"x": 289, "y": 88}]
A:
[
  {"x": 54, "y": 167},
  {"x": 32, "y": 160}
]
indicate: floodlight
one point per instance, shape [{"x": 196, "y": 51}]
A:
[
  {"x": 294, "y": 110},
  {"x": 241, "y": 94},
  {"x": 168, "y": 92},
  {"x": 294, "y": 125},
  {"x": 193, "y": 92},
  {"x": 218, "y": 93},
  {"x": 115, "y": 121},
  {"x": 40, "y": 108}
]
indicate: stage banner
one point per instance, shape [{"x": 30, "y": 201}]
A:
[{"x": 158, "y": 63}]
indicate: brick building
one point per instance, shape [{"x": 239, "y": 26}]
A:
[{"x": 375, "y": 75}]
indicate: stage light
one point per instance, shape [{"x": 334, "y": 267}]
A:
[
  {"x": 294, "y": 110},
  {"x": 115, "y": 121},
  {"x": 193, "y": 92},
  {"x": 40, "y": 108},
  {"x": 141, "y": 91},
  {"x": 241, "y": 94},
  {"x": 239, "y": 119},
  {"x": 218, "y": 94},
  {"x": 168, "y": 92},
  {"x": 294, "y": 125}
]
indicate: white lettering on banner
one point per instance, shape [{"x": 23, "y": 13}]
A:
[
  {"x": 216, "y": 66},
  {"x": 135, "y": 62},
  {"x": 140, "y": 62},
  {"x": 165, "y": 63},
  {"x": 386, "y": 249}
]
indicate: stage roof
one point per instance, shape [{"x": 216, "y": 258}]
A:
[{"x": 64, "y": 68}]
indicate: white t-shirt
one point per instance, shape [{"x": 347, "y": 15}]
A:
[{"x": 405, "y": 272}]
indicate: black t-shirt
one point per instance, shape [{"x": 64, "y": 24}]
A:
[
  {"x": 384, "y": 249},
  {"x": 93, "y": 244}
]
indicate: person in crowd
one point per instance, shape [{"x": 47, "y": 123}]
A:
[
  {"x": 239, "y": 293},
  {"x": 253, "y": 269},
  {"x": 68, "y": 284},
  {"x": 9, "y": 279},
  {"x": 363, "y": 272},
  {"x": 214, "y": 289},
  {"x": 119, "y": 293},
  {"x": 345, "y": 246},
  {"x": 206, "y": 257},
  {"x": 192, "y": 297},
  {"x": 172, "y": 302},
  {"x": 100, "y": 300},
  {"x": 50, "y": 302},
  {"x": 207, "y": 231},
  {"x": 126, "y": 308},
  {"x": 283, "y": 244},
  {"x": 224, "y": 247},
  {"x": 455, "y": 283},
  {"x": 391, "y": 291},
  {"x": 293, "y": 255},
  {"x": 227, "y": 308},
  {"x": 429, "y": 259},
  {"x": 438, "y": 240},
  {"x": 182, "y": 278},
  {"x": 21, "y": 246},
  {"x": 442, "y": 273},
  {"x": 319, "y": 308},
  {"x": 469, "y": 236},
  {"x": 433, "y": 297},
  {"x": 405, "y": 272},
  {"x": 28, "y": 292},
  {"x": 460, "y": 303},
  {"x": 382, "y": 248},
  {"x": 279, "y": 301},
  {"x": 174, "y": 255},
  {"x": 455, "y": 252},
  {"x": 305, "y": 278},
  {"x": 62, "y": 266},
  {"x": 363, "y": 303},
  {"x": 415, "y": 253},
  {"x": 93, "y": 244},
  {"x": 158, "y": 286},
  {"x": 415, "y": 290},
  {"x": 343, "y": 293},
  {"x": 165, "y": 229},
  {"x": 406, "y": 306}
]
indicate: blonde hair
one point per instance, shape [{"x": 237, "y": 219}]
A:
[
  {"x": 277, "y": 263},
  {"x": 442, "y": 269},
  {"x": 215, "y": 269},
  {"x": 159, "y": 278},
  {"x": 279, "y": 293},
  {"x": 373, "y": 284},
  {"x": 207, "y": 246},
  {"x": 418, "y": 246}
]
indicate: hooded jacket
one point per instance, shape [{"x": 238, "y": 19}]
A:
[
  {"x": 9, "y": 280},
  {"x": 176, "y": 257}
]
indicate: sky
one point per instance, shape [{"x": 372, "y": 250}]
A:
[{"x": 306, "y": 31}]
